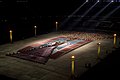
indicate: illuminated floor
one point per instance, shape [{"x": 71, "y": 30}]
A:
[
  {"x": 49, "y": 49},
  {"x": 58, "y": 69}
]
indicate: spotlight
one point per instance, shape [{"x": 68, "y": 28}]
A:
[
  {"x": 86, "y": 0},
  {"x": 112, "y": 1},
  {"x": 98, "y": 1}
]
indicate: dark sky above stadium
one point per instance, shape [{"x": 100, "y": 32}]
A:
[
  {"x": 41, "y": 7},
  {"x": 38, "y": 7}
]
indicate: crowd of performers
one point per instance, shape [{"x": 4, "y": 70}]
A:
[
  {"x": 86, "y": 35},
  {"x": 71, "y": 35}
]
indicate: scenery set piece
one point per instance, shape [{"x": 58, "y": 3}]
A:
[{"x": 49, "y": 49}]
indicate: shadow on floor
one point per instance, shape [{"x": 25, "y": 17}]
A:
[
  {"x": 108, "y": 68},
  {"x": 2, "y": 77}
]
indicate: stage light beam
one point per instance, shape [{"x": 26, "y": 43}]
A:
[
  {"x": 66, "y": 20},
  {"x": 100, "y": 11},
  {"x": 112, "y": 1},
  {"x": 74, "y": 24},
  {"x": 111, "y": 12},
  {"x": 107, "y": 15},
  {"x": 86, "y": 0}
]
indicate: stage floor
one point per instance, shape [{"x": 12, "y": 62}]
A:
[{"x": 58, "y": 68}]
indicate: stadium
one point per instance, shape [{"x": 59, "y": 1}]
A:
[{"x": 79, "y": 40}]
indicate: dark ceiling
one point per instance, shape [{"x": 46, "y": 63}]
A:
[
  {"x": 38, "y": 7},
  {"x": 41, "y": 7}
]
